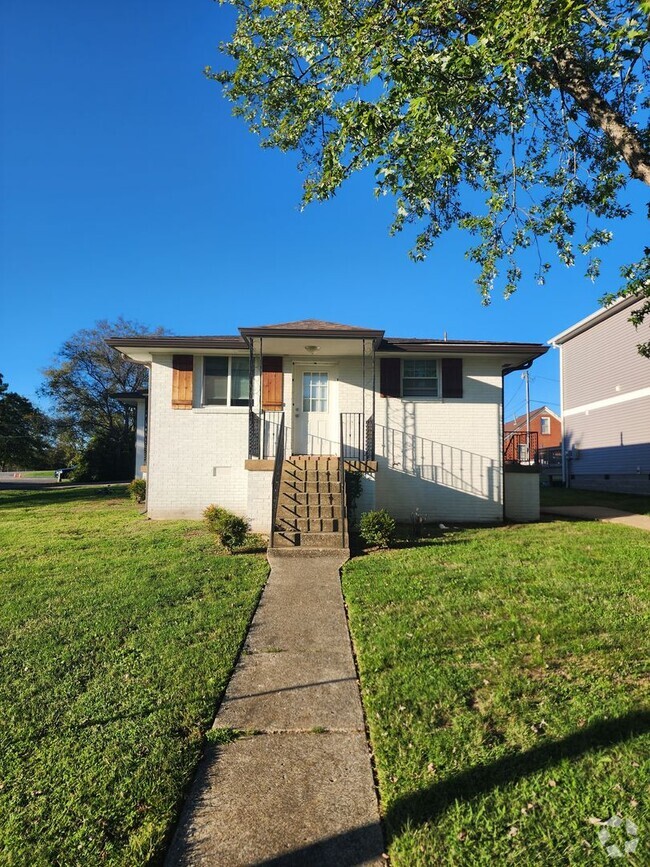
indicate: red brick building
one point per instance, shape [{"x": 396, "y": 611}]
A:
[{"x": 543, "y": 421}]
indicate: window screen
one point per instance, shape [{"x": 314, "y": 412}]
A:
[
  {"x": 215, "y": 381},
  {"x": 419, "y": 378},
  {"x": 240, "y": 384}
]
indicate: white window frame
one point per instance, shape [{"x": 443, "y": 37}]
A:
[
  {"x": 435, "y": 396},
  {"x": 545, "y": 422},
  {"x": 228, "y": 404}
]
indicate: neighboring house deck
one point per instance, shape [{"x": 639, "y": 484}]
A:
[
  {"x": 605, "y": 402},
  {"x": 535, "y": 436},
  {"x": 421, "y": 418}
]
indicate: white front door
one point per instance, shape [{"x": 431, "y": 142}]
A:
[{"x": 314, "y": 411}]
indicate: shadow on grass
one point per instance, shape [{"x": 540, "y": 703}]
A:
[
  {"x": 429, "y": 804},
  {"x": 56, "y": 495},
  {"x": 426, "y": 537}
]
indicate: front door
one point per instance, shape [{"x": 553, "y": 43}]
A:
[{"x": 314, "y": 411}]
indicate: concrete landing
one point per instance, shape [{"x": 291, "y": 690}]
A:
[
  {"x": 300, "y": 791},
  {"x": 599, "y": 513}
]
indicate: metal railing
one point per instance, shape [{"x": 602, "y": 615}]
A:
[
  {"x": 277, "y": 476},
  {"x": 357, "y": 437},
  {"x": 551, "y": 456},
  {"x": 520, "y": 447},
  {"x": 270, "y": 432},
  {"x": 263, "y": 431},
  {"x": 342, "y": 478}
]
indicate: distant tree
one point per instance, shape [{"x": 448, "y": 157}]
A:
[
  {"x": 505, "y": 118},
  {"x": 23, "y": 431},
  {"x": 93, "y": 426}
]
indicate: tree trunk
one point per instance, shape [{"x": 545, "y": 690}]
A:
[{"x": 571, "y": 77}]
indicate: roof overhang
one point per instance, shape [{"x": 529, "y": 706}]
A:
[
  {"x": 142, "y": 349},
  {"x": 130, "y": 398}
]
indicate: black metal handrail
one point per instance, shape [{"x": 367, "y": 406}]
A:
[
  {"x": 357, "y": 436},
  {"x": 342, "y": 477},
  {"x": 269, "y": 431},
  {"x": 277, "y": 475}
]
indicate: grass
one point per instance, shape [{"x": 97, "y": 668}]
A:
[
  {"x": 503, "y": 675},
  {"x": 36, "y": 474},
  {"x": 117, "y": 638},
  {"x": 573, "y": 497}
]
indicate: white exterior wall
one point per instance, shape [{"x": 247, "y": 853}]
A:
[
  {"x": 522, "y": 497},
  {"x": 196, "y": 456},
  {"x": 442, "y": 457}
]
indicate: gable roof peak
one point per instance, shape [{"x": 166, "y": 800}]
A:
[{"x": 311, "y": 324}]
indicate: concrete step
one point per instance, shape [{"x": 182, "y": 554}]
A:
[
  {"x": 323, "y": 487},
  {"x": 286, "y": 539},
  {"x": 294, "y": 524},
  {"x": 322, "y": 476},
  {"x": 313, "y": 510},
  {"x": 313, "y": 462},
  {"x": 321, "y": 540},
  {"x": 313, "y": 498}
]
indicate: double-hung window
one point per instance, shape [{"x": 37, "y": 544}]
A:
[
  {"x": 546, "y": 425},
  {"x": 420, "y": 377},
  {"x": 225, "y": 381}
]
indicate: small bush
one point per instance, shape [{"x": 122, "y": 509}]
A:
[
  {"x": 230, "y": 529},
  {"x": 377, "y": 528},
  {"x": 138, "y": 490}
]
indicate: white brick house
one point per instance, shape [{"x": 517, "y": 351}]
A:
[{"x": 422, "y": 418}]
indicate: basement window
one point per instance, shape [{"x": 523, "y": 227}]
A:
[{"x": 225, "y": 381}]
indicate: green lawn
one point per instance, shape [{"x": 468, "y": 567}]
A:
[
  {"x": 503, "y": 674},
  {"x": 573, "y": 497},
  {"x": 117, "y": 638},
  {"x": 36, "y": 474}
]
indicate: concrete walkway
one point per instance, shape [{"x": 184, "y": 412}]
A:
[
  {"x": 599, "y": 513},
  {"x": 301, "y": 790}
]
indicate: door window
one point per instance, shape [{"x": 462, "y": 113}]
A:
[{"x": 314, "y": 392}]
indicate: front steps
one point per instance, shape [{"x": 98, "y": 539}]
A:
[{"x": 309, "y": 505}]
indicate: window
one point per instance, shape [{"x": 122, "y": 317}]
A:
[
  {"x": 314, "y": 392},
  {"x": 546, "y": 425},
  {"x": 419, "y": 377},
  {"x": 225, "y": 381}
]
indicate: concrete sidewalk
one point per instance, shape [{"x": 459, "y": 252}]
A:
[
  {"x": 300, "y": 791},
  {"x": 599, "y": 513}
]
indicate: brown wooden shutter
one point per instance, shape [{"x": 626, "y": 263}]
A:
[
  {"x": 183, "y": 366},
  {"x": 390, "y": 377},
  {"x": 272, "y": 383},
  {"x": 452, "y": 377}
]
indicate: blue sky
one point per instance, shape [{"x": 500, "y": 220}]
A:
[{"x": 127, "y": 188}]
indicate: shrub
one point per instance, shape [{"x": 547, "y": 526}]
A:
[
  {"x": 377, "y": 528},
  {"x": 138, "y": 490},
  {"x": 230, "y": 529},
  {"x": 353, "y": 488}
]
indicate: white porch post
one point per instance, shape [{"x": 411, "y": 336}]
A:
[{"x": 139, "y": 438}]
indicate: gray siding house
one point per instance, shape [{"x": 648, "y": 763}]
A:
[{"x": 605, "y": 387}]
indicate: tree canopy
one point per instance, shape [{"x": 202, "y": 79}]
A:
[
  {"x": 80, "y": 383},
  {"x": 507, "y": 118},
  {"x": 23, "y": 431}
]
